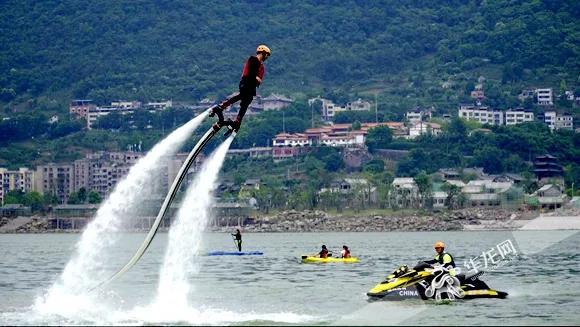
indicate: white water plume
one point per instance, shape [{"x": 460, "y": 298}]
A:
[
  {"x": 87, "y": 265},
  {"x": 186, "y": 232}
]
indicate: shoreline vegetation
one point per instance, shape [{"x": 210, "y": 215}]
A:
[{"x": 362, "y": 221}]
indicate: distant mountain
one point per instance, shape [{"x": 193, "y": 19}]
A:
[{"x": 181, "y": 49}]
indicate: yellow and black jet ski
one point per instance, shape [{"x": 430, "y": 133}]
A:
[{"x": 425, "y": 282}]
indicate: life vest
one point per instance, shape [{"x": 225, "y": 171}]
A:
[{"x": 440, "y": 259}]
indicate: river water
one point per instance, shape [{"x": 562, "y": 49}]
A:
[{"x": 543, "y": 281}]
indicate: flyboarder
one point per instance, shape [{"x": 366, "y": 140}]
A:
[
  {"x": 252, "y": 76},
  {"x": 238, "y": 239}
]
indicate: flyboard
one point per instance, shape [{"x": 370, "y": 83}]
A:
[{"x": 166, "y": 203}]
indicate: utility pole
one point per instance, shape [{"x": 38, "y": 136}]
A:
[
  {"x": 376, "y": 109},
  {"x": 283, "y": 122}
]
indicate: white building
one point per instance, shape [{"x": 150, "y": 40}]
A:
[
  {"x": 518, "y": 116},
  {"x": 329, "y": 108},
  {"x": 564, "y": 121},
  {"x": 558, "y": 121},
  {"x": 545, "y": 97},
  {"x": 159, "y": 105},
  {"x": 286, "y": 139},
  {"x": 418, "y": 115},
  {"x": 484, "y": 115},
  {"x": 354, "y": 139},
  {"x": 121, "y": 107},
  {"x": 420, "y": 128}
]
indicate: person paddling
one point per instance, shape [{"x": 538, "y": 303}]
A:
[
  {"x": 345, "y": 253},
  {"x": 238, "y": 239},
  {"x": 324, "y": 252}
]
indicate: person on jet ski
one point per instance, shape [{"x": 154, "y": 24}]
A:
[
  {"x": 324, "y": 252},
  {"x": 443, "y": 258},
  {"x": 345, "y": 253},
  {"x": 252, "y": 76}
]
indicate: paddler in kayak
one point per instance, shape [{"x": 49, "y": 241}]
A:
[
  {"x": 345, "y": 253},
  {"x": 238, "y": 239},
  {"x": 324, "y": 252}
]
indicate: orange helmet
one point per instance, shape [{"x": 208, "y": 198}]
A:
[
  {"x": 439, "y": 244},
  {"x": 263, "y": 48}
]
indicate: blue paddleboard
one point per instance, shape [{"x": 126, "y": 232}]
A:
[{"x": 216, "y": 253}]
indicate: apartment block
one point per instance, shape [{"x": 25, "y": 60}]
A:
[
  {"x": 15, "y": 180},
  {"x": 544, "y": 97},
  {"x": 57, "y": 179},
  {"x": 484, "y": 115},
  {"x": 518, "y": 116}
]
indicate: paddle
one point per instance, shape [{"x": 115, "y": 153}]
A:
[{"x": 235, "y": 242}]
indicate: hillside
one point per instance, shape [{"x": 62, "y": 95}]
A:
[{"x": 51, "y": 51}]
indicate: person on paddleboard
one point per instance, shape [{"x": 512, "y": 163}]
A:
[
  {"x": 238, "y": 239},
  {"x": 252, "y": 76}
]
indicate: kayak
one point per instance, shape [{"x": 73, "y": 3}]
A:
[
  {"x": 309, "y": 259},
  {"x": 216, "y": 253}
]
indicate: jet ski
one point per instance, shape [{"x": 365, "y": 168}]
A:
[{"x": 431, "y": 282}]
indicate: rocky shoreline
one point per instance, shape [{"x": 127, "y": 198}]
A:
[{"x": 320, "y": 221}]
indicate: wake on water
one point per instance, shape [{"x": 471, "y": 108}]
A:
[{"x": 68, "y": 302}]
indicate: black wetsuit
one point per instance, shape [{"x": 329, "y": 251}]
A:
[{"x": 238, "y": 238}]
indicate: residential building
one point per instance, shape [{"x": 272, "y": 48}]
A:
[
  {"x": 544, "y": 97},
  {"x": 57, "y": 179},
  {"x": 418, "y": 115},
  {"x": 484, "y": 115},
  {"x": 564, "y": 121},
  {"x": 423, "y": 128},
  {"x": 485, "y": 192},
  {"x": 80, "y": 108},
  {"x": 121, "y": 107},
  {"x": 518, "y": 116},
  {"x": 15, "y": 180},
  {"x": 558, "y": 121},
  {"x": 286, "y": 139},
  {"x": 549, "y": 196},
  {"x": 439, "y": 199},
  {"x": 405, "y": 192},
  {"x": 329, "y": 108},
  {"x": 271, "y": 102},
  {"x": 346, "y": 186},
  {"x": 159, "y": 105}
]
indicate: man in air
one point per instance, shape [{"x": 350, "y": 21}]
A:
[{"x": 252, "y": 76}]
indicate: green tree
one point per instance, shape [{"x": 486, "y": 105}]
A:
[
  {"x": 378, "y": 138},
  {"x": 94, "y": 197}
]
